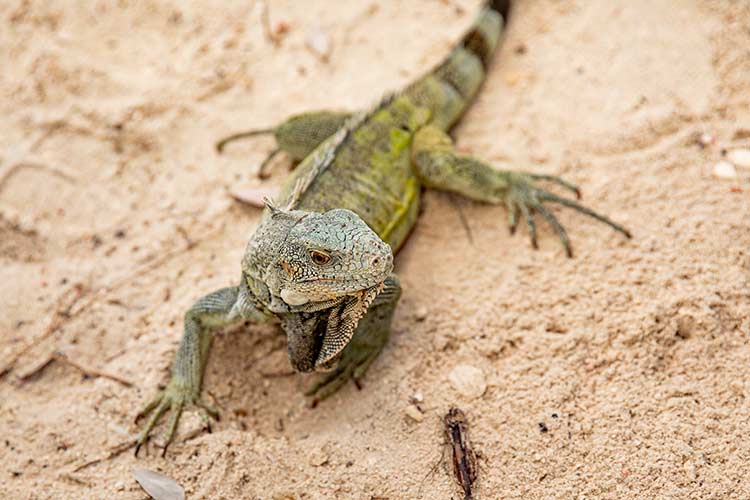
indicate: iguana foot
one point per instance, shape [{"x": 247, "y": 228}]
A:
[
  {"x": 176, "y": 397},
  {"x": 524, "y": 197},
  {"x": 297, "y": 136}
]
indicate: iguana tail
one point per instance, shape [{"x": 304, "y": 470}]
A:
[{"x": 450, "y": 87}]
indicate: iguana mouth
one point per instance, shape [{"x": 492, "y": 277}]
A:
[{"x": 319, "y": 280}]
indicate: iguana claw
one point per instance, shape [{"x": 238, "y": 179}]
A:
[
  {"x": 524, "y": 196},
  {"x": 175, "y": 397}
]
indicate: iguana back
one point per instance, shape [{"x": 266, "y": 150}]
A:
[{"x": 366, "y": 168}]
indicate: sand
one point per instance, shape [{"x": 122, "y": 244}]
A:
[{"x": 619, "y": 374}]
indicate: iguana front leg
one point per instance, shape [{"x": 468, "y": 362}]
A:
[
  {"x": 439, "y": 167},
  {"x": 297, "y": 136},
  {"x": 212, "y": 312},
  {"x": 368, "y": 341}
]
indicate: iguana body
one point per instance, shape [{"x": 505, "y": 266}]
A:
[{"x": 321, "y": 260}]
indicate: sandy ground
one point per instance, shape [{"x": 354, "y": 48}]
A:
[{"x": 114, "y": 217}]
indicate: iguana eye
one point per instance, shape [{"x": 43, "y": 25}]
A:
[{"x": 320, "y": 258}]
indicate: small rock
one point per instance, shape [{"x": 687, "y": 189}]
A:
[
  {"x": 440, "y": 342},
  {"x": 685, "y": 326},
  {"x": 120, "y": 486},
  {"x": 737, "y": 387},
  {"x": 417, "y": 397},
  {"x": 318, "y": 457},
  {"x": 413, "y": 413},
  {"x": 724, "y": 170},
  {"x": 318, "y": 42},
  {"x": 705, "y": 139},
  {"x": 468, "y": 381},
  {"x": 421, "y": 313},
  {"x": 740, "y": 157},
  {"x": 282, "y": 28}
]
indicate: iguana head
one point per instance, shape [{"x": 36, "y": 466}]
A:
[
  {"x": 331, "y": 264},
  {"x": 304, "y": 258},
  {"x": 330, "y": 255}
]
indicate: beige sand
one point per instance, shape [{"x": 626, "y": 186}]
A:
[{"x": 114, "y": 217}]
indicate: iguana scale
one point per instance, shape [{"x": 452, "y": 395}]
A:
[{"x": 321, "y": 260}]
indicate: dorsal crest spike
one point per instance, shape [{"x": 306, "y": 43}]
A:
[{"x": 271, "y": 206}]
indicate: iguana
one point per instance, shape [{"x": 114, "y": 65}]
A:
[{"x": 321, "y": 260}]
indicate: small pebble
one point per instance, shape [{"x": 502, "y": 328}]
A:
[
  {"x": 318, "y": 457},
  {"x": 318, "y": 42},
  {"x": 468, "y": 381},
  {"x": 413, "y": 413},
  {"x": 740, "y": 157},
  {"x": 724, "y": 170},
  {"x": 737, "y": 387},
  {"x": 705, "y": 139},
  {"x": 421, "y": 313}
]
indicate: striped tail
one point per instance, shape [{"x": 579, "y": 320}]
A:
[{"x": 461, "y": 74}]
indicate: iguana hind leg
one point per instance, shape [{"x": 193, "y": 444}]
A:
[
  {"x": 368, "y": 341},
  {"x": 297, "y": 136},
  {"x": 216, "y": 310},
  {"x": 439, "y": 167}
]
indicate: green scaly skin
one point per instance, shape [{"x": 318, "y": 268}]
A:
[{"x": 320, "y": 262}]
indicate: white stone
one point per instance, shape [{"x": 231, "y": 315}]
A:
[
  {"x": 318, "y": 41},
  {"x": 421, "y": 313},
  {"x": 318, "y": 457},
  {"x": 705, "y": 139},
  {"x": 740, "y": 157},
  {"x": 413, "y": 413},
  {"x": 468, "y": 380},
  {"x": 724, "y": 170}
]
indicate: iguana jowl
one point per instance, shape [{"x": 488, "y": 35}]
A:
[{"x": 320, "y": 262}]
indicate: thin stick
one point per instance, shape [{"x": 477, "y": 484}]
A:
[
  {"x": 90, "y": 372},
  {"x": 13, "y": 168},
  {"x": 63, "y": 358},
  {"x": 266, "y": 22},
  {"x": 113, "y": 452}
]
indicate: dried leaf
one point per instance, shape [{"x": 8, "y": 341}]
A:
[
  {"x": 254, "y": 196},
  {"x": 159, "y": 486}
]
